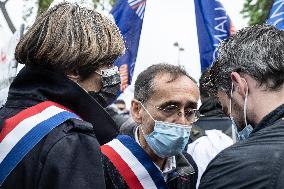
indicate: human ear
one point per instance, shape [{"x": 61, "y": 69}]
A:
[
  {"x": 74, "y": 76},
  {"x": 136, "y": 110},
  {"x": 240, "y": 84}
]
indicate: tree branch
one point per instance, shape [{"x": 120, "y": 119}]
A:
[{"x": 6, "y": 16}]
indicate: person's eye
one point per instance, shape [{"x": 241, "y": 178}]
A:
[
  {"x": 170, "y": 108},
  {"x": 189, "y": 112}
]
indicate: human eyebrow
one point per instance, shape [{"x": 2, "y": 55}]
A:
[{"x": 191, "y": 104}]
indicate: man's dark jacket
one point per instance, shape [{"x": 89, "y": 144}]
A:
[
  {"x": 183, "y": 177},
  {"x": 69, "y": 156},
  {"x": 257, "y": 162}
]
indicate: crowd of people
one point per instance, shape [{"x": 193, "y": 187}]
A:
[{"x": 61, "y": 126}]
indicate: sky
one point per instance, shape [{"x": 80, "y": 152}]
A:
[{"x": 167, "y": 22}]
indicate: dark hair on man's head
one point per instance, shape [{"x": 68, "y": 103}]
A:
[
  {"x": 69, "y": 38},
  {"x": 144, "y": 84},
  {"x": 206, "y": 87},
  {"x": 257, "y": 51}
]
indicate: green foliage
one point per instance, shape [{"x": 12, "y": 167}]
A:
[
  {"x": 44, "y": 4},
  {"x": 257, "y": 10},
  {"x": 101, "y": 2},
  {"x": 112, "y": 2}
]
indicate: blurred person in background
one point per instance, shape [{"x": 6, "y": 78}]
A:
[
  {"x": 53, "y": 121},
  {"x": 118, "y": 112},
  {"x": 121, "y": 106}
]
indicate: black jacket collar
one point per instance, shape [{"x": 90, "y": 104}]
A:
[
  {"x": 270, "y": 118},
  {"x": 34, "y": 85}
]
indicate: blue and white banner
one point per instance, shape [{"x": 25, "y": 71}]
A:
[
  {"x": 128, "y": 15},
  {"x": 213, "y": 26},
  {"x": 276, "y": 16}
]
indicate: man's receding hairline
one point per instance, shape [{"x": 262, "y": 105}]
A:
[
  {"x": 172, "y": 77},
  {"x": 162, "y": 74}
]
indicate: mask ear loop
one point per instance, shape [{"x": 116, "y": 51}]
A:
[
  {"x": 245, "y": 105},
  {"x": 234, "y": 131},
  {"x": 147, "y": 113},
  {"x": 230, "y": 104}
]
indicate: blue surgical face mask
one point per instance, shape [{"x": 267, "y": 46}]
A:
[
  {"x": 167, "y": 139},
  {"x": 240, "y": 135},
  {"x": 244, "y": 134}
]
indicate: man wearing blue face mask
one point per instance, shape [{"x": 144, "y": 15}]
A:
[{"x": 151, "y": 154}]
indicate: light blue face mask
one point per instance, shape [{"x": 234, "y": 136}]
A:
[
  {"x": 167, "y": 139},
  {"x": 244, "y": 134}
]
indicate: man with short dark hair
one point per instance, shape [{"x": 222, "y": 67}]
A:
[
  {"x": 248, "y": 76},
  {"x": 151, "y": 154}
]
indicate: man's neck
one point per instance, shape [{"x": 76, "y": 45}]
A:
[{"x": 264, "y": 102}]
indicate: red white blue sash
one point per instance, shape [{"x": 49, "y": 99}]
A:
[
  {"x": 133, "y": 164},
  {"x": 23, "y": 131}
]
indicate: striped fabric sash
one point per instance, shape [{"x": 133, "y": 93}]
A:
[
  {"x": 23, "y": 131},
  {"x": 133, "y": 164}
]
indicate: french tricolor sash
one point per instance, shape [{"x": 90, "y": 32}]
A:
[
  {"x": 133, "y": 164},
  {"x": 23, "y": 131}
]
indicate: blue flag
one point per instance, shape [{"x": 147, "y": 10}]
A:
[
  {"x": 128, "y": 15},
  {"x": 276, "y": 16},
  {"x": 213, "y": 25}
]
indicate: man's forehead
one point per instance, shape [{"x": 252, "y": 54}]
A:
[
  {"x": 163, "y": 79},
  {"x": 179, "y": 88}
]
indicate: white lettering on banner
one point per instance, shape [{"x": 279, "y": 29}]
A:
[
  {"x": 219, "y": 39},
  {"x": 220, "y": 27},
  {"x": 276, "y": 13}
]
